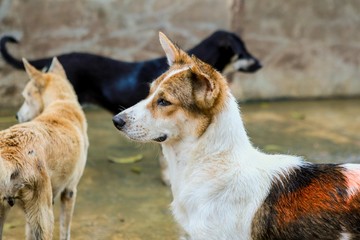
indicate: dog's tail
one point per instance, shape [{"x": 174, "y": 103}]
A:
[
  {"x": 6, "y": 55},
  {"x": 17, "y": 63}
]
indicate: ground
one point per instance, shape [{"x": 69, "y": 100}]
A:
[{"x": 128, "y": 200}]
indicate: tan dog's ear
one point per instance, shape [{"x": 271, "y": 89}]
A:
[
  {"x": 206, "y": 89},
  {"x": 172, "y": 52},
  {"x": 35, "y": 74},
  {"x": 57, "y": 68},
  {"x": 31, "y": 71}
]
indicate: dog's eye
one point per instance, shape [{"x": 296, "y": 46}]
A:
[{"x": 162, "y": 102}]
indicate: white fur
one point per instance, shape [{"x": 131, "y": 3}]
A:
[
  {"x": 4, "y": 175},
  {"x": 353, "y": 178},
  {"x": 29, "y": 109},
  {"x": 140, "y": 125},
  {"x": 238, "y": 64},
  {"x": 219, "y": 180},
  {"x": 351, "y": 166},
  {"x": 243, "y": 63},
  {"x": 174, "y": 72},
  {"x": 345, "y": 236}
]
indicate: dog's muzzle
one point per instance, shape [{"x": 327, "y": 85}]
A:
[{"x": 118, "y": 122}]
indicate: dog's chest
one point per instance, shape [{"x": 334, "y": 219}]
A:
[{"x": 216, "y": 208}]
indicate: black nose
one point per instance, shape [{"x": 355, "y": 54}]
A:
[
  {"x": 118, "y": 122},
  {"x": 257, "y": 66},
  {"x": 16, "y": 116},
  {"x": 253, "y": 67}
]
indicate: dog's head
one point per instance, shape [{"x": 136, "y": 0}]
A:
[
  {"x": 182, "y": 102},
  {"x": 241, "y": 60},
  {"x": 41, "y": 90}
]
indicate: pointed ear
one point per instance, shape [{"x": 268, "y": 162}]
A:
[
  {"x": 31, "y": 71},
  {"x": 206, "y": 89},
  {"x": 35, "y": 74},
  {"x": 57, "y": 68},
  {"x": 171, "y": 51}
]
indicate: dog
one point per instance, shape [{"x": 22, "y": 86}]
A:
[
  {"x": 222, "y": 186},
  {"x": 45, "y": 154},
  {"x": 114, "y": 84}
]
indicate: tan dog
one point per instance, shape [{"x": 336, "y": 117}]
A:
[{"x": 45, "y": 156}]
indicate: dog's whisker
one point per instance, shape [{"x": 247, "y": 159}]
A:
[{"x": 121, "y": 108}]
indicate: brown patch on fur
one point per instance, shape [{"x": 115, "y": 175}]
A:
[
  {"x": 199, "y": 91},
  {"x": 310, "y": 203},
  {"x": 189, "y": 91},
  {"x": 315, "y": 198}
]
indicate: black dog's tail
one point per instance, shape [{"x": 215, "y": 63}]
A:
[
  {"x": 6, "y": 55},
  {"x": 17, "y": 63}
]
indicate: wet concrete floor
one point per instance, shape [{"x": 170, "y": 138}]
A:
[{"x": 128, "y": 200}]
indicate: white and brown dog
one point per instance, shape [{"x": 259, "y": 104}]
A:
[
  {"x": 45, "y": 155},
  {"x": 223, "y": 187}
]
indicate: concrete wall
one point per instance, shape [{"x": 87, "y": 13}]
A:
[{"x": 308, "y": 48}]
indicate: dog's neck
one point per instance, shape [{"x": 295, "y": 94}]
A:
[
  {"x": 226, "y": 133},
  {"x": 58, "y": 93},
  {"x": 225, "y": 136}
]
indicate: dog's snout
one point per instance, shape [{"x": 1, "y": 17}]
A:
[
  {"x": 257, "y": 66},
  {"x": 119, "y": 122}
]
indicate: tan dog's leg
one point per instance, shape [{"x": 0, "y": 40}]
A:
[
  {"x": 68, "y": 198},
  {"x": 4, "y": 209},
  {"x": 39, "y": 212},
  {"x": 164, "y": 170}
]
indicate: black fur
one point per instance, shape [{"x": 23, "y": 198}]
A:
[
  {"x": 321, "y": 214},
  {"x": 113, "y": 84}
]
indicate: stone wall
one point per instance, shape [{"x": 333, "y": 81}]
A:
[
  {"x": 121, "y": 29},
  {"x": 308, "y": 48}
]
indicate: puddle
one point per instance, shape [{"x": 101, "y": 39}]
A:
[{"x": 128, "y": 200}]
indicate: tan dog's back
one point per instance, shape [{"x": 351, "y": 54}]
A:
[
  {"x": 64, "y": 124},
  {"x": 45, "y": 155}
]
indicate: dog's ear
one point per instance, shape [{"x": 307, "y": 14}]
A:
[
  {"x": 172, "y": 52},
  {"x": 35, "y": 74},
  {"x": 32, "y": 72},
  {"x": 57, "y": 68},
  {"x": 206, "y": 88}
]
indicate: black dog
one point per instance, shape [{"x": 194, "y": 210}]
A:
[{"x": 113, "y": 84}]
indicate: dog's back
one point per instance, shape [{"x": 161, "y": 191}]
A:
[
  {"x": 314, "y": 201},
  {"x": 56, "y": 140},
  {"x": 112, "y": 83},
  {"x": 64, "y": 126},
  {"x": 45, "y": 154}
]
